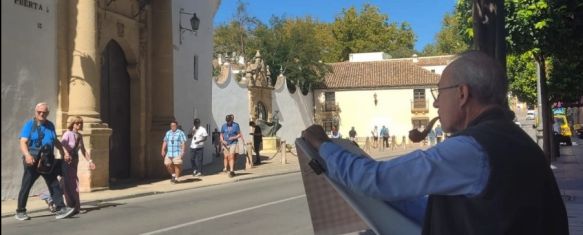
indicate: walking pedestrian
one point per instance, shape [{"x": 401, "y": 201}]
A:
[
  {"x": 216, "y": 135},
  {"x": 173, "y": 151},
  {"x": 230, "y": 134},
  {"x": 38, "y": 137},
  {"x": 257, "y": 142},
  {"x": 72, "y": 141},
  {"x": 198, "y": 135},
  {"x": 385, "y": 134},
  {"x": 352, "y": 136},
  {"x": 375, "y": 137}
]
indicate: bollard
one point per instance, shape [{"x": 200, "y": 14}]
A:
[{"x": 283, "y": 152}]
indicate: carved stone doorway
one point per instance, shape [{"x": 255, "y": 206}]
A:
[{"x": 115, "y": 109}]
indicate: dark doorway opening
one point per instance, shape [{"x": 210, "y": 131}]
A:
[{"x": 115, "y": 109}]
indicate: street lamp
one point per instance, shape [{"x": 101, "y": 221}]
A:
[{"x": 194, "y": 23}]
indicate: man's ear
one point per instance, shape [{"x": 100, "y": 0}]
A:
[{"x": 463, "y": 94}]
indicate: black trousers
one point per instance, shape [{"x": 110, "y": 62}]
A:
[
  {"x": 386, "y": 141},
  {"x": 256, "y": 148},
  {"x": 29, "y": 177},
  {"x": 196, "y": 159}
]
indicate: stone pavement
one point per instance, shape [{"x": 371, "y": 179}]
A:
[
  {"x": 568, "y": 172},
  {"x": 569, "y": 175}
]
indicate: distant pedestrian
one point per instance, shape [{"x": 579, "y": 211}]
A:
[
  {"x": 173, "y": 151},
  {"x": 230, "y": 134},
  {"x": 439, "y": 133},
  {"x": 375, "y": 136},
  {"x": 38, "y": 137},
  {"x": 352, "y": 136},
  {"x": 335, "y": 134},
  {"x": 432, "y": 137},
  {"x": 385, "y": 134},
  {"x": 257, "y": 142},
  {"x": 216, "y": 135},
  {"x": 72, "y": 141},
  {"x": 198, "y": 135}
]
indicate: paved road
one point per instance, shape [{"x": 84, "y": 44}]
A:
[{"x": 274, "y": 205}]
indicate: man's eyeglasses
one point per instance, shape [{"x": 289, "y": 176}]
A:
[
  {"x": 42, "y": 112},
  {"x": 435, "y": 91}
]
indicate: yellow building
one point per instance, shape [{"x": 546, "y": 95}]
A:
[{"x": 367, "y": 92}]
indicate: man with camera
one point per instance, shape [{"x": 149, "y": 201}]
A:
[{"x": 38, "y": 139}]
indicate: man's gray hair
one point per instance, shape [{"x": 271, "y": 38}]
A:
[
  {"x": 40, "y": 105},
  {"x": 485, "y": 77}
]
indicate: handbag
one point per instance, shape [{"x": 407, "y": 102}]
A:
[{"x": 45, "y": 161}]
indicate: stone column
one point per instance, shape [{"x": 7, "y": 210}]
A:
[
  {"x": 84, "y": 87},
  {"x": 162, "y": 86}
]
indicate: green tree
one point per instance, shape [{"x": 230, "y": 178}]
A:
[
  {"x": 235, "y": 35},
  {"x": 522, "y": 77},
  {"x": 292, "y": 47},
  {"x": 369, "y": 31},
  {"x": 449, "y": 40}
]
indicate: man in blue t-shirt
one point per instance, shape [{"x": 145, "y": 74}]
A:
[
  {"x": 230, "y": 134},
  {"x": 39, "y": 133}
]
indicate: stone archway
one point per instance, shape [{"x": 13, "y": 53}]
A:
[{"x": 115, "y": 109}]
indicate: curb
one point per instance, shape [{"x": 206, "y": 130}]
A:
[{"x": 11, "y": 214}]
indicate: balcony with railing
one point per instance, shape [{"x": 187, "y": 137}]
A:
[{"x": 419, "y": 106}]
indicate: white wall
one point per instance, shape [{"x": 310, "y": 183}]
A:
[
  {"x": 438, "y": 69},
  {"x": 296, "y": 112},
  {"x": 29, "y": 76},
  {"x": 192, "y": 97},
  {"x": 231, "y": 98}
]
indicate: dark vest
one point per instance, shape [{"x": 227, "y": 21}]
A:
[{"x": 521, "y": 196}]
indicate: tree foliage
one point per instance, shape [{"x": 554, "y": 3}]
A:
[
  {"x": 300, "y": 47},
  {"x": 370, "y": 31},
  {"x": 291, "y": 47},
  {"x": 549, "y": 31},
  {"x": 449, "y": 40},
  {"x": 522, "y": 77}
]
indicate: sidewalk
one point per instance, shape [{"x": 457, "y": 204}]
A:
[
  {"x": 569, "y": 175},
  {"x": 137, "y": 188}
]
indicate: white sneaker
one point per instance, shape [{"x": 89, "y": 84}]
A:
[
  {"x": 21, "y": 216},
  {"x": 65, "y": 212}
]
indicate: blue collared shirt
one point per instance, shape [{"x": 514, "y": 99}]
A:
[
  {"x": 174, "y": 140},
  {"x": 457, "y": 166}
]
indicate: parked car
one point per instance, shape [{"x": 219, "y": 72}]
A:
[
  {"x": 530, "y": 115},
  {"x": 565, "y": 134}
]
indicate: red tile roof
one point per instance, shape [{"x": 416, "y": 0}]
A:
[{"x": 377, "y": 74}]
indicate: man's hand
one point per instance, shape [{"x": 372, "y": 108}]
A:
[
  {"x": 315, "y": 135},
  {"x": 29, "y": 160}
]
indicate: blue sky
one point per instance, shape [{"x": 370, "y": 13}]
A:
[{"x": 425, "y": 16}]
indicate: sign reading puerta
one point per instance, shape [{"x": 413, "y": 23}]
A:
[{"x": 32, "y": 5}]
